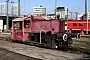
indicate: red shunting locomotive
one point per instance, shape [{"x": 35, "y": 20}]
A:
[{"x": 36, "y": 30}]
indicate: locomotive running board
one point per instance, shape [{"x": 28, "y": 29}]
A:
[{"x": 33, "y": 43}]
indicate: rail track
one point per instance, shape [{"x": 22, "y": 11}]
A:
[
  {"x": 9, "y": 55},
  {"x": 76, "y": 48},
  {"x": 80, "y": 46},
  {"x": 36, "y": 52}
]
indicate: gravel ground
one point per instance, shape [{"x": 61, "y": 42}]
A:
[
  {"x": 36, "y": 52},
  {"x": 82, "y": 42},
  {"x": 32, "y": 51},
  {"x": 5, "y": 35},
  {"x": 8, "y": 55}
]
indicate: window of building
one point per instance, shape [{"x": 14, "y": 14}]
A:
[{"x": 74, "y": 24}]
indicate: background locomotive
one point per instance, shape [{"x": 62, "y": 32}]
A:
[{"x": 41, "y": 32}]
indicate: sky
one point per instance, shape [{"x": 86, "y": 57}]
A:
[{"x": 72, "y": 5}]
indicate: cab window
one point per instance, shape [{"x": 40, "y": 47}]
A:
[
  {"x": 26, "y": 23},
  {"x": 18, "y": 25}
]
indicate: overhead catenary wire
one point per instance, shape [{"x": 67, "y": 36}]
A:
[
  {"x": 78, "y": 8},
  {"x": 77, "y": 5}
]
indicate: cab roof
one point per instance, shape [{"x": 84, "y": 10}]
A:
[{"x": 18, "y": 19}]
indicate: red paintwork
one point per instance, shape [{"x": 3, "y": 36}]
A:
[
  {"x": 58, "y": 25},
  {"x": 27, "y": 29},
  {"x": 70, "y": 24},
  {"x": 36, "y": 25},
  {"x": 17, "y": 35},
  {"x": 38, "y": 18},
  {"x": 48, "y": 25},
  {"x": 22, "y": 35}
]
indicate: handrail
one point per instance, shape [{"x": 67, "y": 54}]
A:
[{"x": 40, "y": 35}]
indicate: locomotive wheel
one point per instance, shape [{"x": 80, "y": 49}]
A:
[
  {"x": 13, "y": 40},
  {"x": 32, "y": 38},
  {"x": 70, "y": 41},
  {"x": 62, "y": 45}
]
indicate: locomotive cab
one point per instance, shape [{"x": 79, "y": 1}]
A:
[
  {"x": 21, "y": 27},
  {"x": 17, "y": 29}
]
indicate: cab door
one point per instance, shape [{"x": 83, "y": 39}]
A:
[{"x": 18, "y": 31}]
